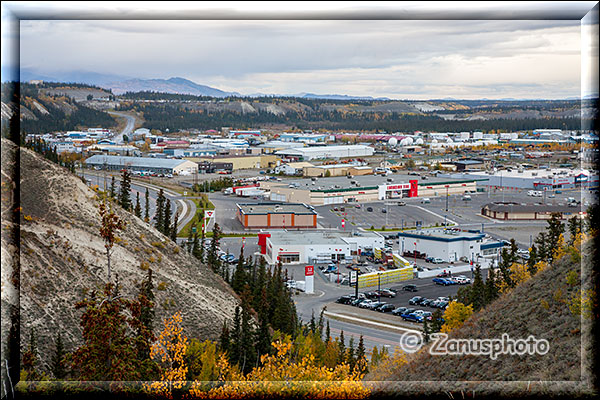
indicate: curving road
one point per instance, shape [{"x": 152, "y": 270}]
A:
[{"x": 118, "y": 138}]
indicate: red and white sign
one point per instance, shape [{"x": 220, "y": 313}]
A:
[
  {"x": 343, "y": 223},
  {"x": 309, "y": 270},
  {"x": 209, "y": 213}
]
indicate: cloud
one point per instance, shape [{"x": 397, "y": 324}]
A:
[{"x": 378, "y": 58}]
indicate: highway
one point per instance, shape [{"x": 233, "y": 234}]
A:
[{"x": 118, "y": 138}]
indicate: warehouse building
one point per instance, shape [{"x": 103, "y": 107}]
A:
[
  {"x": 322, "y": 152},
  {"x": 516, "y": 211},
  {"x": 277, "y": 216},
  {"x": 158, "y": 165},
  {"x": 242, "y": 162},
  {"x": 451, "y": 245},
  {"x": 316, "y": 246}
]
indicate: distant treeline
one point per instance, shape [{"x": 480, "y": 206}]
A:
[{"x": 172, "y": 117}]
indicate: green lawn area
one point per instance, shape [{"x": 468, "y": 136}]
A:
[{"x": 202, "y": 204}]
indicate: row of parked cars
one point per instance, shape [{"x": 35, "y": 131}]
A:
[
  {"x": 451, "y": 280},
  {"x": 440, "y": 302}
]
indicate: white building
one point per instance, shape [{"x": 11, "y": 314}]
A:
[
  {"x": 450, "y": 245},
  {"x": 302, "y": 247},
  {"x": 319, "y": 152},
  {"x": 293, "y": 168},
  {"x": 143, "y": 164}
]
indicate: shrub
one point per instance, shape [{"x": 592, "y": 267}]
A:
[
  {"x": 159, "y": 245},
  {"x": 162, "y": 286}
]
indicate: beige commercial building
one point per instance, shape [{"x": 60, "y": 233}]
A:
[
  {"x": 336, "y": 170},
  {"x": 516, "y": 211},
  {"x": 277, "y": 216}
]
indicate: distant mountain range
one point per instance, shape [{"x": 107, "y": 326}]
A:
[{"x": 120, "y": 84}]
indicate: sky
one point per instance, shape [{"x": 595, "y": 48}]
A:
[{"x": 398, "y": 59}]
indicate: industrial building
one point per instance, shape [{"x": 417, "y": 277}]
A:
[
  {"x": 537, "y": 179},
  {"x": 322, "y": 152},
  {"x": 337, "y": 170},
  {"x": 277, "y": 216},
  {"x": 293, "y": 168},
  {"x": 158, "y": 165},
  {"x": 448, "y": 244},
  {"x": 516, "y": 211},
  {"x": 316, "y": 246},
  {"x": 242, "y": 162}
]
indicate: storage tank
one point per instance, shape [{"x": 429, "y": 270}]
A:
[{"x": 393, "y": 142}]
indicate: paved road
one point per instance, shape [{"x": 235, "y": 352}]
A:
[{"x": 118, "y": 138}]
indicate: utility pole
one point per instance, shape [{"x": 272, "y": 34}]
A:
[{"x": 446, "y": 198}]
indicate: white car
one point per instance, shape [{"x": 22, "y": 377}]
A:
[{"x": 462, "y": 280}]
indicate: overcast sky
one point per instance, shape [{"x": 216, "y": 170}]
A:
[{"x": 400, "y": 59}]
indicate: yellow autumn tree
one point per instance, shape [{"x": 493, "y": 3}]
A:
[
  {"x": 169, "y": 351},
  {"x": 280, "y": 376},
  {"x": 455, "y": 315},
  {"x": 518, "y": 273}
]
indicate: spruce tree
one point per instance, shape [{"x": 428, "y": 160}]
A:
[
  {"x": 312, "y": 324},
  {"x": 575, "y": 226},
  {"x": 350, "y": 359},
  {"x": 160, "y": 212},
  {"x": 342, "y": 348},
  {"x": 361, "y": 357},
  {"x": 541, "y": 240},
  {"x": 147, "y": 207},
  {"x": 239, "y": 278},
  {"x": 125, "y": 189},
  {"x": 247, "y": 346},
  {"x": 477, "y": 290},
  {"x": 491, "y": 288},
  {"x": 212, "y": 258},
  {"x": 224, "y": 338},
  {"x": 166, "y": 228},
  {"x": 436, "y": 321},
  {"x": 533, "y": 258},
  {"x": 263, "y": 336},
  {"x": 504, "y": 267},
  {"x": 138, "y": 209},
  {"x": 426, "y": 330},
  {"x": 58, "y": 367},
  {"x": 174, "y": 230},
  {"x": 112, "y": 191},
  {"x": 234, "y": 344},
  {"x": 201, "y": 249},
  {"x": 327, "y": 333}
]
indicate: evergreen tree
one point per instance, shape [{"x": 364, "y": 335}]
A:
[
  {"x": 263, "y": 336},
  {"x": 491, "y": 289},
  {"x": 174, "y": 230},
  {"x": 147, "y": 207},
  {"x": 159, "y": 215},
  {"x": 201, "y": 249},
  {"x": 504, "y": 267},
  {"x": 436, "y": 321},
  {"x": 342, "y": 347},
  {"x": 58, "y": 367},
  {"x": 224, "y": 338},
  {"x": 234, "y": 344},
  {"x": 312, "y": 324},
  {"x": 477, "y": 290},
  {"x": 247, "y": 358},
  {"x": 143, "y": 325},
  {"x": 138, "y": 209},
  {"x": 350, "y": 358},
  {"x": 328, "y": 332},
  {"x": 533, "y": 259},
  {"x": 575, "y": 226},
  {"x": 112, "y": 191},
  {"x": 212, "y": 258},
  {"x": 426, "y": 330},
  {"x": 29, "y": 358},
  {"x": 239, "y": 278},
  {"x": 361, "y": 357},
  {"x": 195, "y": 245},
  {"x": 125, "y": 189},
  {"x": 555, "y": 229},
  {"x": 543, "y": 250},
  {"x": 166, "y": 228}
]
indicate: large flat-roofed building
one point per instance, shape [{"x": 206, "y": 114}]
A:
[
  {"x": 243, "y": 162},
  {"x": 516, "y": 211},
  {"x": 277, "y": 215},
  {"x": 321, "y": 152},
  {"x": 158, "y": 165},
  {"x": 448, "y": 244},
  {"x": 316, "y": 246}
]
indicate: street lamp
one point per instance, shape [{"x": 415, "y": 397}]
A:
[{"x": 446, "y": 198}]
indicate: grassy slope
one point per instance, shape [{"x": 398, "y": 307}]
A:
[{"x": 520, "y": 313}]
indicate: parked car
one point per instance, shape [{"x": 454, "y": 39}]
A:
[
  {"x": 374, "y": 304},
  {"x": 345, "y": 300},
  {"x": 365, "y": 303},
  {"x": 383, "y": 210},
  {"x": 426, "y": 302},
  {"x": 415, "y": 300},
  {"x": 399, "y": 310},
  {"x": 369, "y": 209},
  {"x": 441, "y": 281},
  {"x": 426, "y": 200},
  {"x": 401, "y": 203},
  {"x": 386, "y": 293},
  {"x": 386, "y": 308},
  {"x": 372, "y": 295},
  {"x": 429, "y": 259},
  {"x": 443, "y": 274},
  {"x": 410, "y": 288},
  {"x": 462, "y": 280},
  {"x": 437, "y": 260}
]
